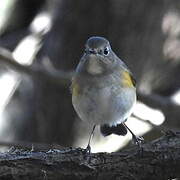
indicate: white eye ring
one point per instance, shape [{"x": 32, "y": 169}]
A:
[{"x": 106, "y": 51}]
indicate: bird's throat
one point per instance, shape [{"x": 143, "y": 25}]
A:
[{"x": 94, "y": 67}]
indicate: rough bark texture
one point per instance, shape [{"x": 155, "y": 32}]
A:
[{"x": 159, "y": 159}]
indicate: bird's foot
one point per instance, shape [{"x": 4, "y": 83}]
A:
[
  {"x": 87, "y": 150},
  {"x": 138, "y": 141}
]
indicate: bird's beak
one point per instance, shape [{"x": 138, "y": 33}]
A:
[{"x": 92, "y": 51}]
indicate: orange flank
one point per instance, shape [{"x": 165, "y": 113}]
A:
[
  {"x": 128, "y": 80},
  {"x": 75, "y": 88}
]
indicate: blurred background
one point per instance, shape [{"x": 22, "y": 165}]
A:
[{"x": 52, "y": 34}]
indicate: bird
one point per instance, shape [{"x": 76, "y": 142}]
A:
[{"x": 103, "y": 90}]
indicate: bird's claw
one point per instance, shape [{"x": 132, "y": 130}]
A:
[
  {"x": 138, "y": 140},
  {"x": 87, "y": 149}
]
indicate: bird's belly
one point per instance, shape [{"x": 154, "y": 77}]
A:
[{"x": 102, "y": 106}]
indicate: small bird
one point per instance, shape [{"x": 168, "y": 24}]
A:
[{"x": 103, "y": 90}]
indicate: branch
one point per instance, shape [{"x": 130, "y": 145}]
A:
[
  {"x": 155, "y": 100},
  {"x": 168, "y": 107},
  {"x": 160, "y": 160},
  {"x": 29, "y": 145},
  {"x": 56, "y": 76}
]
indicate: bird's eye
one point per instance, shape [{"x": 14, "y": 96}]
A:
[{"x": 106, "y": 51}]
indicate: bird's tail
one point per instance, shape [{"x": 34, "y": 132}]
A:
[{"x": 118, "y": 129}]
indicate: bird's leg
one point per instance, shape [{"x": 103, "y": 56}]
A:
[
  {"x": 88, "y": 148},
  {"x": 137, "y": 140}
]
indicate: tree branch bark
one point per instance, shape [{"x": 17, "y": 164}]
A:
[
  {"x": 52, "y": 75},
  {"x": 160, "y": 159},
  {"x": 169, "y": 108}
]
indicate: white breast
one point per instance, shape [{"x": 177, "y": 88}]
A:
[
  {"x": 104, "y": 107},
  {"x": 94, "y": 67}
]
